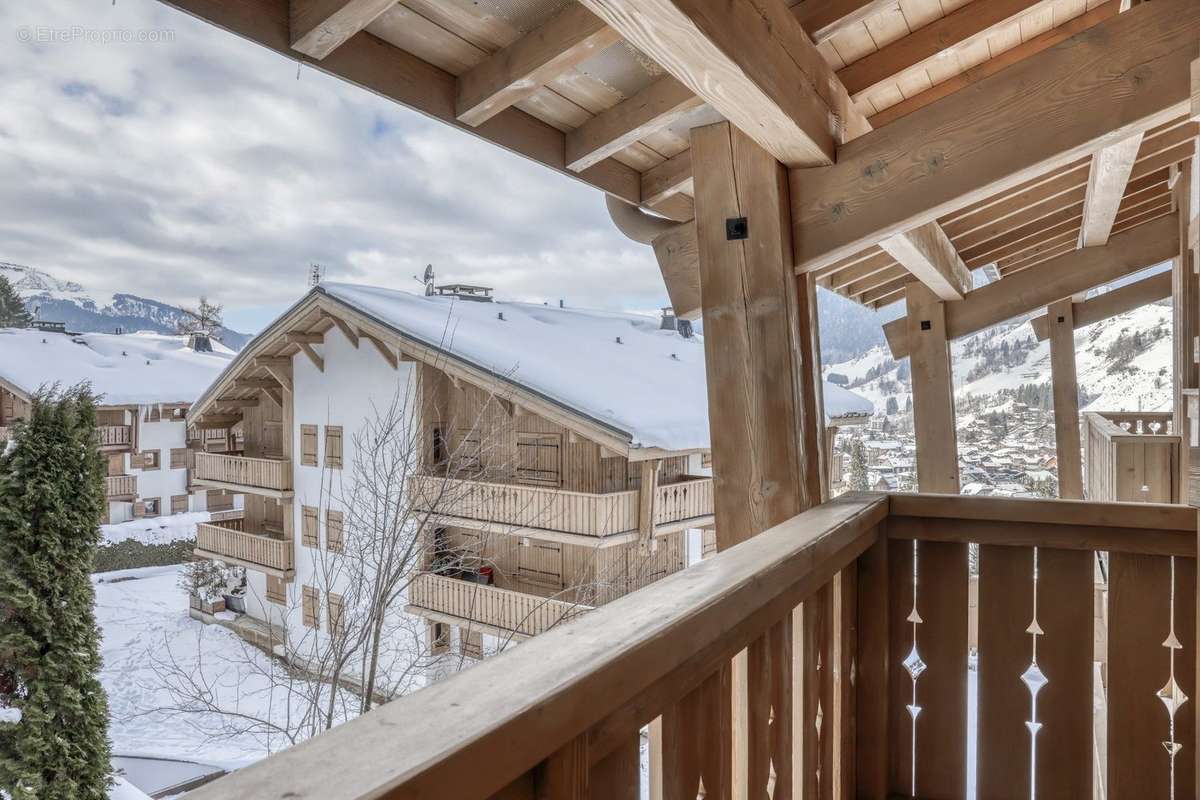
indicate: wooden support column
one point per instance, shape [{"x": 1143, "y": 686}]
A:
[
  {"x": 1185, "y": 293},
  {"x": 933, "y": 392},
  {"x": 647, "y": 491},
  {"x": 1066, "y": 399}
]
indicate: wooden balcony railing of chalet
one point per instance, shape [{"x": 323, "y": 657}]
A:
[
  {"x": 112, "y": 436},
  {"x": 242, "y": 547},
  {"x": 1133, "y": 457},
  {"x": 262, "y": 473},
  {"x": 120, "y": 486},
  {"x": 507, "y": 611},
  {"x": 558, "y": 509},
  {"x": 874, "y": 589},
  {"x": 233, "y": 518}
]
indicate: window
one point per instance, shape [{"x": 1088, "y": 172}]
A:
[
  {"x": 333, "y": 531},
  {"x": 439, "y": 638},
  {"x": 308, "y": 445},
  {"x": 439, "y": 447},
  {"x": 538, "y": 459},
  {"x": 151, "y": 506},
  {"x": 333, "y": 446},
  {"x": 312, "y": 607},
  {"x": 309, "y": 537},
  {"x": 472, "y": 644},
  {"x": 470, "y": 451},
  {"x": 335, "y": 613},
  {"x": 151, "y": 459},
  {"x": 706, "y": 460},
  {"x": 179, "y": 503},
  {"x": 276, "y": 590},
  {"x": 179, "y": 457}
]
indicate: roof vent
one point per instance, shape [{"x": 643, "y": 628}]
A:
[
  {"x": 500, "y": 316},
  {"x": 668, "y": 320},
  {"x": 464, "y": 291},
  {"x": 619, "y": 340}
]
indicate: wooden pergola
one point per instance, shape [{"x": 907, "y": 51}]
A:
[{"x": 883, "y": 149}]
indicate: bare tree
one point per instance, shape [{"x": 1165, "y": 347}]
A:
[{"x": 204, "y": 318}]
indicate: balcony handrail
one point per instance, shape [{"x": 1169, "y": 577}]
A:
[
  {"x": 244, "y": 546},
  {"x": 266, "y": 473},
  {"x": 1108, "y": 424},
  {"x": 521, "y": 613}
]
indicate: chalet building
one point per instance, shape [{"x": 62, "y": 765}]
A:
[
  {"x": 561, "y": 451},
  {"x": 145, "y": 383},
  {"x": 883, "y": 151}
]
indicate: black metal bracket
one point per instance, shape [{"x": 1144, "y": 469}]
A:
[{"x": 736, "y": 228}]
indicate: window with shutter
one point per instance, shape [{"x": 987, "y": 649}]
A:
[
  {"x": 276, "y": 590},
  {"x": 333, "y": 531},
  {"x": 333, "y": 446},
  {"x": 151, "y": 459},
  {"x": 308, "y": 445},
  {"x": 538, "y": 459},
  {"x": 439, "y": 638},
  {"x": 311, "y": 606},
  {"x": 309, "y": 537},
  {"x": 334, "y": 608},
  {"x": 179, "y": 503},
  {"x": 179, "y": 457},
  {"x": 151, "y": 506}
]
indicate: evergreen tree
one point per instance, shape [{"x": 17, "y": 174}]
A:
[
  {"x": 892, "y": 406},
  {"x": 12, "y": 308},
  {"x": 858, "y": 467},
  {"x": 51, "y": 500}
]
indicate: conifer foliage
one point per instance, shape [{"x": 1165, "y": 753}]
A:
[
  {"x": 55, "y": 745},
  {"x": 13, "y": 313}
]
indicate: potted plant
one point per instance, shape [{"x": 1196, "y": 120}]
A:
[{"x": 206, "y": 583}]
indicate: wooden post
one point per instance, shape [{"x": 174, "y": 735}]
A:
[
  {"x": 1061, "y": 321},
  {"x": 933, "y": 392},
  {"x": 1185, "y": 293},
  {"x": 647, "y": 491}
]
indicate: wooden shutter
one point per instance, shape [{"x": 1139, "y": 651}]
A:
[
  {"x": 179, "y": 457},
  {"x": 179, "y": 503},
  {"x": 538, "y": 459},
  {"x": 540, "y": 563},
  {"x": 333, "y": 531},
  {"x": 308, "y": 445},
  {"x": 218, "y": 500},
  {"x": 151, "y": 459},
  {"x": 276, "y": 590},
  {"x": 333, "y": 446},
  {"x": 439, "y": 638},
  {"x": 139, "y": 509},
  {"x": 309, "y": 536},
  {"x": 311, "y": 606},
  {"x": 334, "y": 609}
]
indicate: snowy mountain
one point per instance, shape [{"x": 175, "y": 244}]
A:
[{"x": 69, "y": 302}]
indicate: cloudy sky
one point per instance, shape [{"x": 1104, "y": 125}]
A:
[{"x": 201, "y": 165}]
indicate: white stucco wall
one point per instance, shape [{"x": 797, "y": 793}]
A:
[{"x": 163, "y": 482}]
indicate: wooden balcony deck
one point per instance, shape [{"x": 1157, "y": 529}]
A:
[
  {"x": 118, "y": 487},
  {"x": 226, "y": 541},
  {"x": 519, "y": 509},
  {"x": 266, "y": 476},
  {"x": 499, "y": 611},
  {"x": 114, "y": 437},
  {"x": 1132, "y": 457},
  {"x": 874, "y": 589}
]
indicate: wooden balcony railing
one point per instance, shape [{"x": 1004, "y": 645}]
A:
[
  {"x": 241, "y": 547},
  {"x": 1132, "y": 457},
  {"x": 233, "y": 518},
  {"x": 505, "y": 610},
  {"x": 113, "y": 436},
  {"x": 244, "y": 472},
  {"x": 560, "y": 510},
  {"x": 853, "y": 619},
  {"x": 120, "y": 486}
]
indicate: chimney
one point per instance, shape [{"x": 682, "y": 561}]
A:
[{"x": 668, "y": 320}]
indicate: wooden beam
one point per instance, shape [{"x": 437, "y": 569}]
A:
[
  {"x": 678, "y": 255},
  {"x": 1076, "y": 271},
  {"x": 927, "y": 253},
  {"x": 301, "y": 337},
  {"x": 824, "y": 19},
  {"x": 313, "y": 356},
  {"x": 255, "y": 383},
  {"x": 1107, "y": 179},
  {"x": 512, "y": 74},
  {"x": 279, "y": 368},
  {"x": 389, "y": 356},
  {"x": 670, "y": 177},
  {"x": 384, "y": 69},
  {"x": 752, "y": 62},
  {"x": 1185, "y": 323},
  {"x": 1066, "y": 400},
  {"x": 932, "y": 390},
  {"x": 343, "y": 326},
  {"x": 647, "y": 492},
  {"x": 212, "y": 421},
  {"x": 320, "y": 26},
  {"x": 1125, "y": 75},
  {"x": 227, "y": 403},
  {"x": 1111, "y": 303},
  {"x": 658, "y": 105},
  {"x": 1195, "y": 103}
]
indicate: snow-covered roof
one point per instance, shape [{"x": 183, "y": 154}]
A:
[
  {"x": 619, "y": 369},
  {"x": 124, "y": 369}
]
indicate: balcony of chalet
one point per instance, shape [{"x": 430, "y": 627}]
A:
[
  {"x": 1133, "y": 457},
  {"x": 518, "y": 509},
  {"x": 225, "y": 538},
  {"x": 460, "y": 599},
  {"x": 114, "y": 438},
  {"x": 270, "y": 477},
  {"x": 120, "y": 487}
]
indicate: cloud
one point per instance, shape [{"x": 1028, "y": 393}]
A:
[{"x": 201, "y": 164}]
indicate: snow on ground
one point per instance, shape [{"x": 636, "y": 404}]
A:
[{"x": 155, "y": 530}]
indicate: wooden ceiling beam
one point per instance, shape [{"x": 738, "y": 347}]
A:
[
  {"x": 657, "y": 106},
  {"x": 512, "y": 74},
  {"x": 824, "y": 19},
  {"x": 318, "y": 27},
  {"x": 1109, "y": 175},
  {"x": 1125, "y": 75},
  {"x": 670, "y": 177},
  {"x": 1111, "y": 303},
  {"x": 303, "y": 337},
  {"x": 927, "y": 253},
  {"x": 752, "y": 62},
  {"x": 1076, "y": 271},
  {"x": 255, "y": 383}
]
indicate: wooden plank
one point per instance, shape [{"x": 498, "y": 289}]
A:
[
  {"x": 1139, "y": 666},
  {"x": 1185, "y": 316},
  {"x": 1051, "y": 512},
  {"x": 618, "y": 775},
  {"x": 927, "y": 253},
  {"x": 752, "y": 62},
  {"x": 1064, "y": 656},
  {"x": 320, "y": 26},
  {"x": 647, "y": 492},
  {"x": 669, "y": 177},
  {"x": 678, "y": 254},
  {"x": 844, "y": 658},
  {"x": 1109, "y": 175},
  {"x": 769, "y": 718},
  {"x": 1063, "y": 276},
  {"x": 1041, "y": 113},
  {"x": 657, "y": 106},
  {"x": 824, "y": 19},
  {"x": 1111, "y": 303},
  {"x": 1065, "y": 388},
  {"x": 696, "y": 744},
  {"x": 872, "y": 693},
  {"x": 508, "y": 76},
  {"x": 564, "y": 775},
  {"x": 933, "y": 392}
]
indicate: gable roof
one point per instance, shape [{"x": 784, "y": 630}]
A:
[{"x": 124, "y": 369}]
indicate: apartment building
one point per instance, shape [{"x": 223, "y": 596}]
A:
[{"x": 145, "y": 383}]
